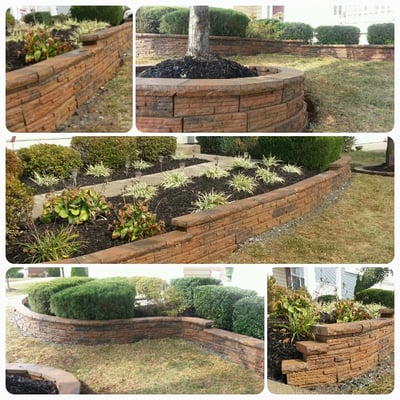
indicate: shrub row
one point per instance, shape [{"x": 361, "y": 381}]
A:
[
  {"x": 112, "y": 151},
  {"x": 111, "y": 14},
  {"x": 228, "y": 22},
  {"x": 378, "y": 296},
  {"x": 311, "y": 152}
]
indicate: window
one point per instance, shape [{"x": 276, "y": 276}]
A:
[{"x": 297, "y": 277}]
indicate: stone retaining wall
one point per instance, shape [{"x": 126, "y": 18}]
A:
[
  {"x": 40, "y": 97},
  {"x": 207, "y": 235},
  {"x": 340, "y": 351},
  {"x": 273, "y": 101},
  {"x": 240, "y": 349},
  {"x": 176, "y": 45}
]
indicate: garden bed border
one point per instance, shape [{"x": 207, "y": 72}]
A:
[
  {"x": 240, "y": 349},
  {"x": 207, "y": 235},
  {"x": 41, "y": 97},
  {"x": 340, "y": 351}
]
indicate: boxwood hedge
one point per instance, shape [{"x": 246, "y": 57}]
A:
[{"x": 248, "y": 316}]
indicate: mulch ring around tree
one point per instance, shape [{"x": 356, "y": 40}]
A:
[
  {"x": 382, "y": 169},
  {"x": 167, "y": 204},
  {"x": 212, "y": 67},
  {"x": 23, "y": 384}
]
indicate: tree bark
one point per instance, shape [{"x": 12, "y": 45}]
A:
[
  {"x": 390, "y": 152},
  {"x": 199, "y": 32}
]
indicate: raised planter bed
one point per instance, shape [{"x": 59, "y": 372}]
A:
[
  {"x": 65, "y": 382},
  {"x": 240, "y": 349},
  {"x": 207, "y": 235},
  {"x": 273, "y": 101},
  {"x": 340, "y": 351},
  {"x": 40, "y": 97}
]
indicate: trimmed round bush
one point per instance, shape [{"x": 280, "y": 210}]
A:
[
  {"x": 19, "y": 206},
  {"x": 268, "y": 28},
  {"x": 111, "y": 14},
  {"x": 378, "y": 296},
  {"x": 223, "y": 145},
  {"x": 248, "y": 316},
  {"x": 49, "y": 159},
  {"x": 148, "y": 18},
  {"x": 297, "y": 31},
  {"x": 112, "y": 151},
  {"x": 150, "y": 288},
  {"x": 175, "y": 22},
  {"x": 186, "y": 286},
  {"x": 217, "y": 303},
  {"x": 337, "y": 34},
  {"x": 100, "y": 299},
  {"x": 13, "y": 163},
  {"x": 311, "y": 152},
  {"x": 40, "y": 293},
  {"x": 39, "y": 17},
  {"x": 381, "y": 33},
  {"x": 150, "y": 147}
]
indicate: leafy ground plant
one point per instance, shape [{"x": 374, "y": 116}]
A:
[
  {"x": 141, "y": 190},
  {"x": 44, "y": 179},
  {"x": 98, "y": 170},
  {"x": 241, "y": 162},
  {"x": 174, "y": 179},
  {"x": 292, "y": 169},
  {"x": 209, "y": 200},
  {"x": 268, "y": 176},
  {"x": 215, "y": 172},
  {"x": 242, "y": 183}
]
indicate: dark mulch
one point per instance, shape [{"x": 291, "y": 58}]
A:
[
  {"x": 166, "y": 205},
  {"x": 116, "y": 174},
  {"x": 379, "y": 168},
  {"x": 23, "y": 384},
  {"x": 212, "y": 67}
]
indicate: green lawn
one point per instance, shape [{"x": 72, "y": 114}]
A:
[{"x": 352, "y": 96}]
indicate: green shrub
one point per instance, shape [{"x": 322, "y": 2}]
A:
[
  {"x": 221, "y": 145},
  {"x": 347, "y": 310},
  {"x": 100, "y": 299},
  {"x": 19, "y": 206},
  {"x": 326, "y": 298},
  {"x": 379, "y": 296},
  {"x": 13, "y": 163},
  {"x": 79, "y": 271},
  {"x": 312, "y": 152},
  {"x": 297, "y": 31},
  {"x": 337, "y": 34},
  {"x": 148, "y": 18},
  {"x": 223, "y": 22},
  {"x": 10, "y": 19},
  {"x": 269, "y": 29},
  {"x": 50, "y": 159},
  {"x": 112, "y": 151},
  {"x": 381, "y": 33},
  {"x": 38, "y": 17},
  {"x": 248, "y": 316},
  {"x": 217, "y": 303},
  {"x": 150, "y": 147},
  {"x": 75, "y": 206},
  {"x": 186, "y": 287},
  {"x": 40, "y": 293},
  {"x": 150, "y": 288},
  {"x": 111, "y": 14},
  {"x": 135, "y": 221}
]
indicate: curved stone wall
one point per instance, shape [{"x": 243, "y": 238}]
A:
[
  {"x": 40, "y": 97},
  {"x": 273, "y": 101},
  {"x": 241, "y": 349},
  {"x": 207, "y": 235}
]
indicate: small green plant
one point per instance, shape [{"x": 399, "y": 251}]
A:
[
  {"x": 241, "y": 162},
  {"x": 292, "y": 169},
  {"x": 348, "y": 311},
  {"x": 180, "y": 156},
  {"x": 174, "y": 179},
  {"x": 52, "y": 246},
  {"x": 242, "y": 183},
  {"x": 141, "y": 165},
  {"x": 135, "y": 222},
  {"x": 76, "y": 206},
  {"x": 98, "y": 170},
  {"x": 209, "y": 200},
  {"x": 270, "y": 161},
  {"x": 141, "y": 191},
  {"x": 268, "y": 176},
  {"x": 44, "y": 179},
  {"x": 215, "y": 172}
]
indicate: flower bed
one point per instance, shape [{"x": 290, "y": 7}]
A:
[
  {"x": 243, "y": 350},
  {"x": 209, "y": 234}
]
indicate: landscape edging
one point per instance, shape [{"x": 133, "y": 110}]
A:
[
  {"x": 240, "y": 349},
  {"x": 204, "y": 236},
  {"x": 42, "y": 96},
  {"x": 340, "y": 351}
]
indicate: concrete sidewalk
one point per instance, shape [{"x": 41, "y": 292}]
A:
[
  {"x": 281, "y": 388},
  {"x": 116, "y": 188}
]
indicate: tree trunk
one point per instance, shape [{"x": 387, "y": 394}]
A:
[
  {"x": 199, "y": 31},
  {"x": 390, "y": 152}
]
